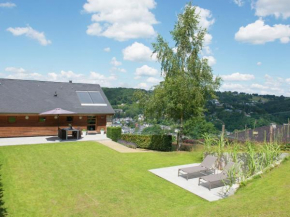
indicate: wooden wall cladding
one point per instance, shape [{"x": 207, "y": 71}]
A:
[
  {"x": 32, "y": 126},
  {"x": 101, "y": 123}
]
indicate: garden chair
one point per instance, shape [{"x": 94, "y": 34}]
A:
[
  {"x": 221, "y": 177},
  {"x": 207, "y": 165}
]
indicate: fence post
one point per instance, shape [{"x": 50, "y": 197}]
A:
[{"x": 271, "y": 134}]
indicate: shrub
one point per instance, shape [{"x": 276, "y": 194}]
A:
[
  {"x": 285, "y": 147},
  {"x": 114, "y": 133},
  {"x": 153, "y": 142},
  {"x": 127, "y": 144}
]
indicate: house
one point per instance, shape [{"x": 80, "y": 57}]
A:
[{"x": 21, "y": 101}]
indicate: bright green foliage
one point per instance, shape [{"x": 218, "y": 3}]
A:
[
  {"x": 114, "y": 133},
  {"x": 188, "y": 79},
  {"x": 197, "y": 127},
  {"x": 153, "y": 142},
  {"x": 153, "y": 130},
  {"x": 285, "y": 147},
  {"x": 208, "y": 143}
]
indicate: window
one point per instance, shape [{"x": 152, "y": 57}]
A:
[
  {"x": 42, "y": 119},
  {"x": 91, "y": 123},
  {"x": 91, "y": 98},
  {"x": 11, "y": 120},
  {"x": 69, "y": 119}
]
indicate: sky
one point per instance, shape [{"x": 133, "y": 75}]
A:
[{"x": 109, "y": 42}]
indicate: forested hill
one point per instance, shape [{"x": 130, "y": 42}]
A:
[
  {"x": 236, "y": 110},
  {"x": 119, "y": 95}
]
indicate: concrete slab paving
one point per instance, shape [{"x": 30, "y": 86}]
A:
[
  {"x": 121, "y": 148},
  {"x": 219, "y": 191},
  {"x": 47, "y": 139}
]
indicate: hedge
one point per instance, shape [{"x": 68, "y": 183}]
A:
[
  {"x": 153, "y": 142},
  {"x": 114, "y": 133},
  {"x": 285, "y": 147}
]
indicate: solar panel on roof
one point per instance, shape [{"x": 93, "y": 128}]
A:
[
  {"x": 84, "y": 97},
  {"x": 97, "y": 97},
  {"x": 91, "y": 98}
]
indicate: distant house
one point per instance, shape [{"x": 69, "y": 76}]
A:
[
  {"x": 21, "y": 101},
  {"x": 141, "y": 117},
  {"x": 120, "y": 111}
]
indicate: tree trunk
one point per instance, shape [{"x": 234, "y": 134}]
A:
[{"x": 179, "y": 134}]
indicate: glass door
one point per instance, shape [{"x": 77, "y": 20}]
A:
[{"x": 91, "y": 124}]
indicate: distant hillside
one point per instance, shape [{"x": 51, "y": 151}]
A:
[
  {"x": 235, "y": 110},
  {"x": 119, "y": 95}
]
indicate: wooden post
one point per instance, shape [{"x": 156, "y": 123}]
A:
[
  {"x": 288, "y": 129},
  {"x": 223, "y": 131},
  {"x": 271, "y": 134}
]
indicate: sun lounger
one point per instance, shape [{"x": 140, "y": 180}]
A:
[
  {"x": 207, "y": 165},
  {"x": 221, "y": 177}
]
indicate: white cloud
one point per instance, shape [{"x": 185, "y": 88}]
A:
[
  {"x": 116, "y": 69},
  {"x": 240, "y": 3},
  {"x": 145, "y": 71},
  {"x": 210, "y": 60},
  {"x": 259, "y": 63},
  {"x": 114, "y": 62},
  {"x": 62, "y": 76},
  {"x": 107, "y": 49},
  {"x": 271, "y": 85},
  {"x": 93, "y": 77},
  {"x": 205, "y": 17},
  {"x": 206, "y": 21},
  {"x": 7, "y": 5},
  {"x": 259, "y": 33},
  {"x": 207, "y": 39},
  {"x": 153, "y": 80},
  {"x": 238, "y": 77},
  {"x": 278, "y": 8},
  {"x": 138, "y": 52},
  {"x": 21, "y": 73},
  {"x": 15, "y": 70},
  {"x": 142, "y": 86},
  {"x": 31, "y": 33},
  {"x": 259, "y": 86},
  {"x": 121, "y": 20},
  {"x": 232, "y": 87},
  {"x": 122, "y": 70}
]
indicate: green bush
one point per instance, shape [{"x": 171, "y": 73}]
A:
[
  {"x": 285, "y": 147},
  {"x": 153, "y": 142},
  {"x": 114, "y": 133}
]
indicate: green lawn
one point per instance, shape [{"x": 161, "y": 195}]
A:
[{"x": 89, "y": 179}]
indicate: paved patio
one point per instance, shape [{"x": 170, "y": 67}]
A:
[
  {"x": 217, "y": 193},
  {"x": 47, "y": 139}
]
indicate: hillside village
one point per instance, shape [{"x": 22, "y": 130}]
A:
[{"x": 236, "y": 110}]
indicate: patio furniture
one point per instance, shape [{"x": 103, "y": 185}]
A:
[
  {"x": 221, "y": 177},
  {"x": 75, "y": 133},
  {"x": 56, "y": 112},
  {"x": 207, "y": 165},
  {"x": 62, "y": 134}
]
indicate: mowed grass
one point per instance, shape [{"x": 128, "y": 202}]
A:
[{"x": 89, "y": 179}]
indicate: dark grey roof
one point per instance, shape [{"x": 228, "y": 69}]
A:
[{"x": 34, "y": 97}]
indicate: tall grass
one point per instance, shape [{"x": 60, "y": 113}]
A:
[{"x": 208, "y": 143}]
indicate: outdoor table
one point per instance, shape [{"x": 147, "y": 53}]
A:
[{"x": 75, "y": 132}]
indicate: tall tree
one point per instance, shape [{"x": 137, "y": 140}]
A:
[{"x": 188, "y": 79}]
